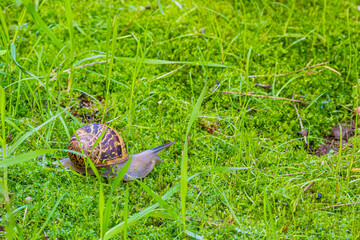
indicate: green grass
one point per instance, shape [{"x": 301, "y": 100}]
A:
[{"x": 227, "y": 176}]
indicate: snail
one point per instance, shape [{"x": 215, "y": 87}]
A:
[{"x": 109, "y": 155}]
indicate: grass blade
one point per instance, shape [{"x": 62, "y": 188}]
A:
[
  {"x": 5, "y": 30},
  {"x": 49, "y": 217},
  {"x": 184, "y": 163},
  {"x": 138, "y": 216},
  {"x": 126, "y": 210},
  {"x": 42, "y": 25},
  {"x": 219, "y": 169},
  {"x": 13, "y": 55},
  {"x": 109, "y": 73},
  {"x": 160, "y": 7},
  {"x": 101, "y": 208},
  {"x": 70, "y": 20},
  {"x": 146, "y": 212},
  {"x": 267, "y": 208},
  {"x": 25, "y": 157},
  {"x": 231, "y": 210},
  {"x": 157, "y": 198},
  {"x": 3, "y": 141},
  {"x": 21, "y": 19},
  {"x": 116, "y": 182},
  {"x": 26, "y": 135},
  {"x": 221, "y": 15},
  {"x": 2, "y": 112},
  {"x": 153, "y": 61}
]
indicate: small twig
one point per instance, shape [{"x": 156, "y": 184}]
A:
[
  {"x": 285, "y": 74},
  {"x": 166, "y": 74},
  {"x": 26, "y": 209},
  {"x": 53, "y": 71},
  {"x": 338, "y": 205},
  {"x": 114, "y": 119},
  {"x": 210, "y": 221},
  {"x": 301, "y": 125},
  {"x": 291, "y": 174},
  {"x": 131, "y": 22},
  {"x": 223, "y": 134},
  {"x": 312, "y": 183},
  {"x": 264, "y": 96},
  {"x": 216, "y": 85},
  {"x": 86, "y": 65},
  {"x": 45, "y": 235},
  {"x": 333, "y": 70},
  {"x": 27, "y": 200},
  {"x": 308, "y": 187},
  {"x": 81, "y": 66},
  {"x": 263, "y": 86},
  {"x": 198, "y": 190},
  {"x": 346, "y": 107},
  {"x": 199, "y": 220}
]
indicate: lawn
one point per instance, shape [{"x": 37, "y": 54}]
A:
[{"x": 231, "y": 82}]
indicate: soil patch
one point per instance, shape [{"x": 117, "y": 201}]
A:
[{"x": 332, "y": 141}]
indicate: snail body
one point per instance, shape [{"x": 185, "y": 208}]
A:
[{"x": 109, "y": 155}]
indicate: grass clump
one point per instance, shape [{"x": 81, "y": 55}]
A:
[{"x": 149, "y": 69}]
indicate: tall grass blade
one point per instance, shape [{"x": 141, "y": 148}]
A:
[
  {"x": 13, "y": 55},
  {"x": 157, "y": 198},
  {"x": 29, "y": 133},
  {"x": 133, "y": 80},
  {"x": 160, "y": 7},
  {"x": 49, "y": 217},
  {"x": 126, "y": 210},
  {"x": 138, "y": 216},
  {"x": 5, "y": 31},
  {"x": 21, "y": 19},
  {"x": 116, "y": 182},
  {"x": 231, "y": 210},
  {"x": 101, "y": 208},
  {"x": 184, "y": 162},
  {"x": 42, "y": 25},
  {"x": 151, "y": 61},
  {"x": 109, "y": 73},
  {"x": 3, "y": 142},
  {"x": 25, "y": 157},
  {"x": 70, "y": 20},
  {"x": 10, "y": 223},
  {"x": 221, "y": 15},
  {"x": 267, "y": 209},
  {"x": 2, "y": 112},
  {"x": 146, "y": 212}
]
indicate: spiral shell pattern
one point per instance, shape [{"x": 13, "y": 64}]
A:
[{"x": 111, "y": 148}]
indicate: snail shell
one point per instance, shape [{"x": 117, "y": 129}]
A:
[
  {"x": 110, "y": 150},
  {"x": 109, "y": 155}
]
